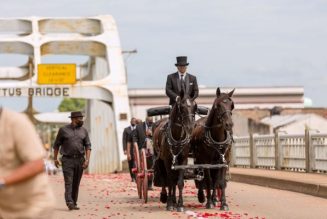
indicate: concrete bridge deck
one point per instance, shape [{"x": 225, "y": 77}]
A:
[{"x": 115, "y": 196}]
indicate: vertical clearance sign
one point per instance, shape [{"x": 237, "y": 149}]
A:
[{"x": 56, "y": 74}]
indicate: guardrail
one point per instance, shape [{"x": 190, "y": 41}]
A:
[{"x": 306, "y": 153}]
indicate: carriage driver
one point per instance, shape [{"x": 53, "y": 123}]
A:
[{"x": 181, "y": 80}]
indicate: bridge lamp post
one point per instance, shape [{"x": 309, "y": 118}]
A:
[{"x": 128, "y": 54}]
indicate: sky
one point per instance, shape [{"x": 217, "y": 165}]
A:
[{"x": 229, "y": 43}]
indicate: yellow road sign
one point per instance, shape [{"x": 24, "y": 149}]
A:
[{"x": 56, "y": 74}]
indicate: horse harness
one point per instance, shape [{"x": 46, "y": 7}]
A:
[
  {"x": 222, "y": 145},
  {"x": 173, "y": 143},
  {"x": 176, "y": 143},
  {"x": 218, "y": 146}
]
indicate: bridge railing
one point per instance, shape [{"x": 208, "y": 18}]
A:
[{"x": 306, "y": 153}]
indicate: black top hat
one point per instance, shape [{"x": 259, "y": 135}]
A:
[
  {"x": 181, "y": 61},
  {"x": 76, "y": 114}
]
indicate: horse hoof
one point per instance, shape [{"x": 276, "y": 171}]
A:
[
  {"x": 215, "y": 202},
  {"x": 180, "y": 209},
  {"x": 201, "y": 197},
  {"x": 163, "y": 197},
  {"x": 170, "y": 208},
  {"x": 224, "y": 208},
  {"x": 209, "y": 206}
]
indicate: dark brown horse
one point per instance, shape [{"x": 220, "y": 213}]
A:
[
  {"x": 171, "y": 144},
  {"x": 211, "y": 140}
]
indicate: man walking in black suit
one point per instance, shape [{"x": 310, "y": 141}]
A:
[
  {"x": 75, "y": 146},
  {"x": 181, "y": 80},
  {"x": 127, "y": 136}
]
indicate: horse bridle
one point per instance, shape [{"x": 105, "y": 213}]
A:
[
  {"x": 181, "y": 118},
  {"x": 219, "y": 116}
]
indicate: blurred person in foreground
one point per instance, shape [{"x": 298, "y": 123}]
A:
[
  {"x": 24, "y": 187},
  {"x": 75, "y": 146}
]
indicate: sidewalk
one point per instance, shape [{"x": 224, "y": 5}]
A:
[{"x": 307, "y": 183}]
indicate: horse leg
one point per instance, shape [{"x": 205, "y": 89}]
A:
[
  {"x": 201, "y": 197},
  {"x": 209, "y": 203},
  {"x": 224, "y": 205},
  {"x": 170, "y": 205},
  {"x": 174, "y": 195},
  {"x": 180, "y": 183},
  {"x": 214, "y": 197},
  {"x": 163, "y": 195},
  {"x": 214, "y": 175},
  {"x": 222, "y": 185},
  {"x": 170, "y": 183},
  {"x": 160, "y": 175}
]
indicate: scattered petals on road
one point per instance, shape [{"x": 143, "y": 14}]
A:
[{"x": 115, "y": 196}]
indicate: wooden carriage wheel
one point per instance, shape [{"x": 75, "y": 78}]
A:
[
  {"x": 144, "y": 170},
  {"x": 138, "y": 168}
]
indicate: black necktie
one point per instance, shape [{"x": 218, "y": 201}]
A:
[{"x": 183, "y": 83}]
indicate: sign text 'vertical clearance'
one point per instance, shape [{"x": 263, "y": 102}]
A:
[{"x": 56, "y": 74}]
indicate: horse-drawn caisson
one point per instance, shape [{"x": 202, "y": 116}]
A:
[{"x": 179, "y": 137}]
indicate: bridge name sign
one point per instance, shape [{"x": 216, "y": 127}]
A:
[{"x": 35, "y": 91}]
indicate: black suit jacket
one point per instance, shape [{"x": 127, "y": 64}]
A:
[
  {"x": 126, "y": 136},
  {"x": 173, "y": 86},
  {"x": 139, "y": 135}
]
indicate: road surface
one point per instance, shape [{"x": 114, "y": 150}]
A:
[{"x": 114, "y": 196}]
